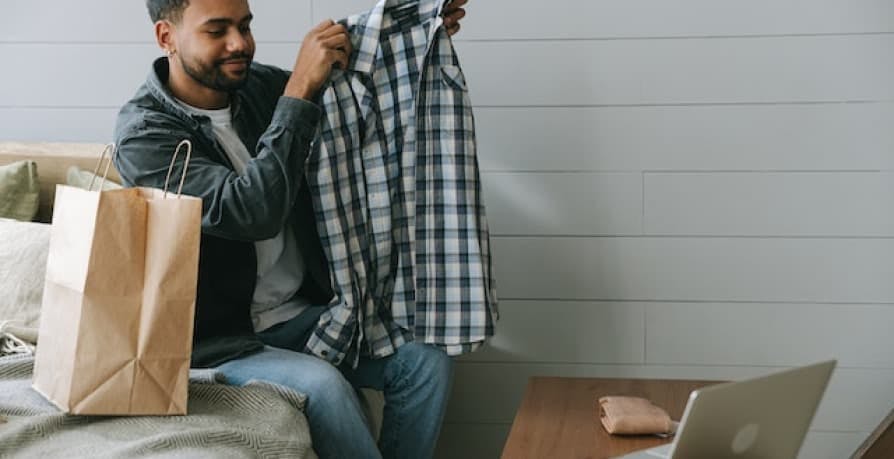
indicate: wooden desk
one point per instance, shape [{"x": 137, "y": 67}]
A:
[{"x": 558, "y": 417}]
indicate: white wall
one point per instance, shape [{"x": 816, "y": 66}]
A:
[{"x": 689, "y": 189}]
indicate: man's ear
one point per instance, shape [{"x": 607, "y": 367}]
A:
[{"x": 164, "y": 36}]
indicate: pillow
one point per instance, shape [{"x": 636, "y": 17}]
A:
[
  {"x": 80, "y": 178},
  {"x": 23, "y": 260},
  {"x": 20, "y": 191}
]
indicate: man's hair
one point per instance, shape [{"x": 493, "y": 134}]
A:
[{"x": 170, "y": 10}]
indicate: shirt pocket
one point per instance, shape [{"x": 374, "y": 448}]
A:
[{"x": 453, "y": 77}]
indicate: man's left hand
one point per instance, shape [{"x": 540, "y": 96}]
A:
[{"x": 453, "y": 12}]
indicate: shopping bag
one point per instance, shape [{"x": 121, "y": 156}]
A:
[{"x": 116, "y": 325}]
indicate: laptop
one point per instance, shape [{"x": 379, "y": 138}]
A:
[{"x": 765, "y": 417}]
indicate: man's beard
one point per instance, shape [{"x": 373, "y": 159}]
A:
[{"x": 212, "y": 76}]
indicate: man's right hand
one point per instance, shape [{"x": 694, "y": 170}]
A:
[{"x": 325, "y": 46}]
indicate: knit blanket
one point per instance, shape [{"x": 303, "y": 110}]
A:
[{"x": 255, "y": 420}]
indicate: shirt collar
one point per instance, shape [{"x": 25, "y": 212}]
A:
[{"x": 365, "y": 36}]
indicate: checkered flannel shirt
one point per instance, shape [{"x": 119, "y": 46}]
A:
[{"x": 397, "y": 193}]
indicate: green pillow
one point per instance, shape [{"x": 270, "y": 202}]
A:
[
  {"x": 19, "y": 191},
  {"x": 80, "y": 178}
]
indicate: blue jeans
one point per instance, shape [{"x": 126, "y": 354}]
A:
[{"x": 415, "y": 380}]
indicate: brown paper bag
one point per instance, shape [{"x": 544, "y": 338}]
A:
[{"x": 116, "y": 324}]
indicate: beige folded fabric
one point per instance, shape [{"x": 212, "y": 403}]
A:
[{"x": 633, "y": 416}]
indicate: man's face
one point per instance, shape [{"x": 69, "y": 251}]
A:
[{"x": 214, "y": 43}]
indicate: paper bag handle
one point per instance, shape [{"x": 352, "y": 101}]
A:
[
  {"x": 185, "y": 166},
  {"x": 105, "y": 151}
]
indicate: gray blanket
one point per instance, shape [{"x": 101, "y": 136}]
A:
[{"x": 255, "y": 420}]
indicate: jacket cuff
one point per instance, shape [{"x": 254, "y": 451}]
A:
[{"x": 297, "y": 114}]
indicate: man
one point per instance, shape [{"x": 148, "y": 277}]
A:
[{"x": 263, "y": 277}]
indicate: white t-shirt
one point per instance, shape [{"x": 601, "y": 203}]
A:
[{"x": 280, "y": 266}]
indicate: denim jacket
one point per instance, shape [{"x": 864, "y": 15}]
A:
[{"x": 237, "y": 210}]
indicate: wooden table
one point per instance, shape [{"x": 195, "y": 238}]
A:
[{"x": 558, "y": 417}]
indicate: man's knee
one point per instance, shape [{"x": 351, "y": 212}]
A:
[{"x": 325, "y": 385}]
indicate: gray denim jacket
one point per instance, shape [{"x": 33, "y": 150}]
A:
[{"x": 237, "y": 210}]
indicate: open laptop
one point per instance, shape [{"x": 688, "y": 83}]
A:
[{"x": 765, "y": 417}]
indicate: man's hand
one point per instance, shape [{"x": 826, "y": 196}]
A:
[
  {"x": 453, "y": 12},
  {"x": 327, "y": 45}
]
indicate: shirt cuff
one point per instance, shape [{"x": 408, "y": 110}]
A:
[{"x": 298, "y": 114}]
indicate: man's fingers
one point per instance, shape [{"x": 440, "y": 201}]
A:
[
  {"x": 332, "y": 30},
  {"x": 453, "y": 18},
  {"x": 453, "y": 30},
  {"x": 343, "y": 60},
  {"x": 323, "y": 25},
  {"x": 341, "y": 41},
  {"x": 337, "y": 58},
  {"x": 454, "y": 5}
]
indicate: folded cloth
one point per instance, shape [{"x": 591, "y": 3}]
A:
[{"x": 633, "y": 416}]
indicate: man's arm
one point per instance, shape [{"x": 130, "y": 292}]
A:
[
  {"x": 255, "y": 205},
  {"x": 249, "y": 207}
]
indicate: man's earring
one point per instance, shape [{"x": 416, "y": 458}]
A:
[{"x": 170, "y": 52}]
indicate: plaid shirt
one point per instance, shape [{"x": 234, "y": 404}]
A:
[{"x": 397, "y": 194}]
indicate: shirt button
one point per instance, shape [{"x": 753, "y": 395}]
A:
[{"x": 324, "y": 353}]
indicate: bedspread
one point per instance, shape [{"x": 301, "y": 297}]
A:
[{"x": 255, "y": 420}]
